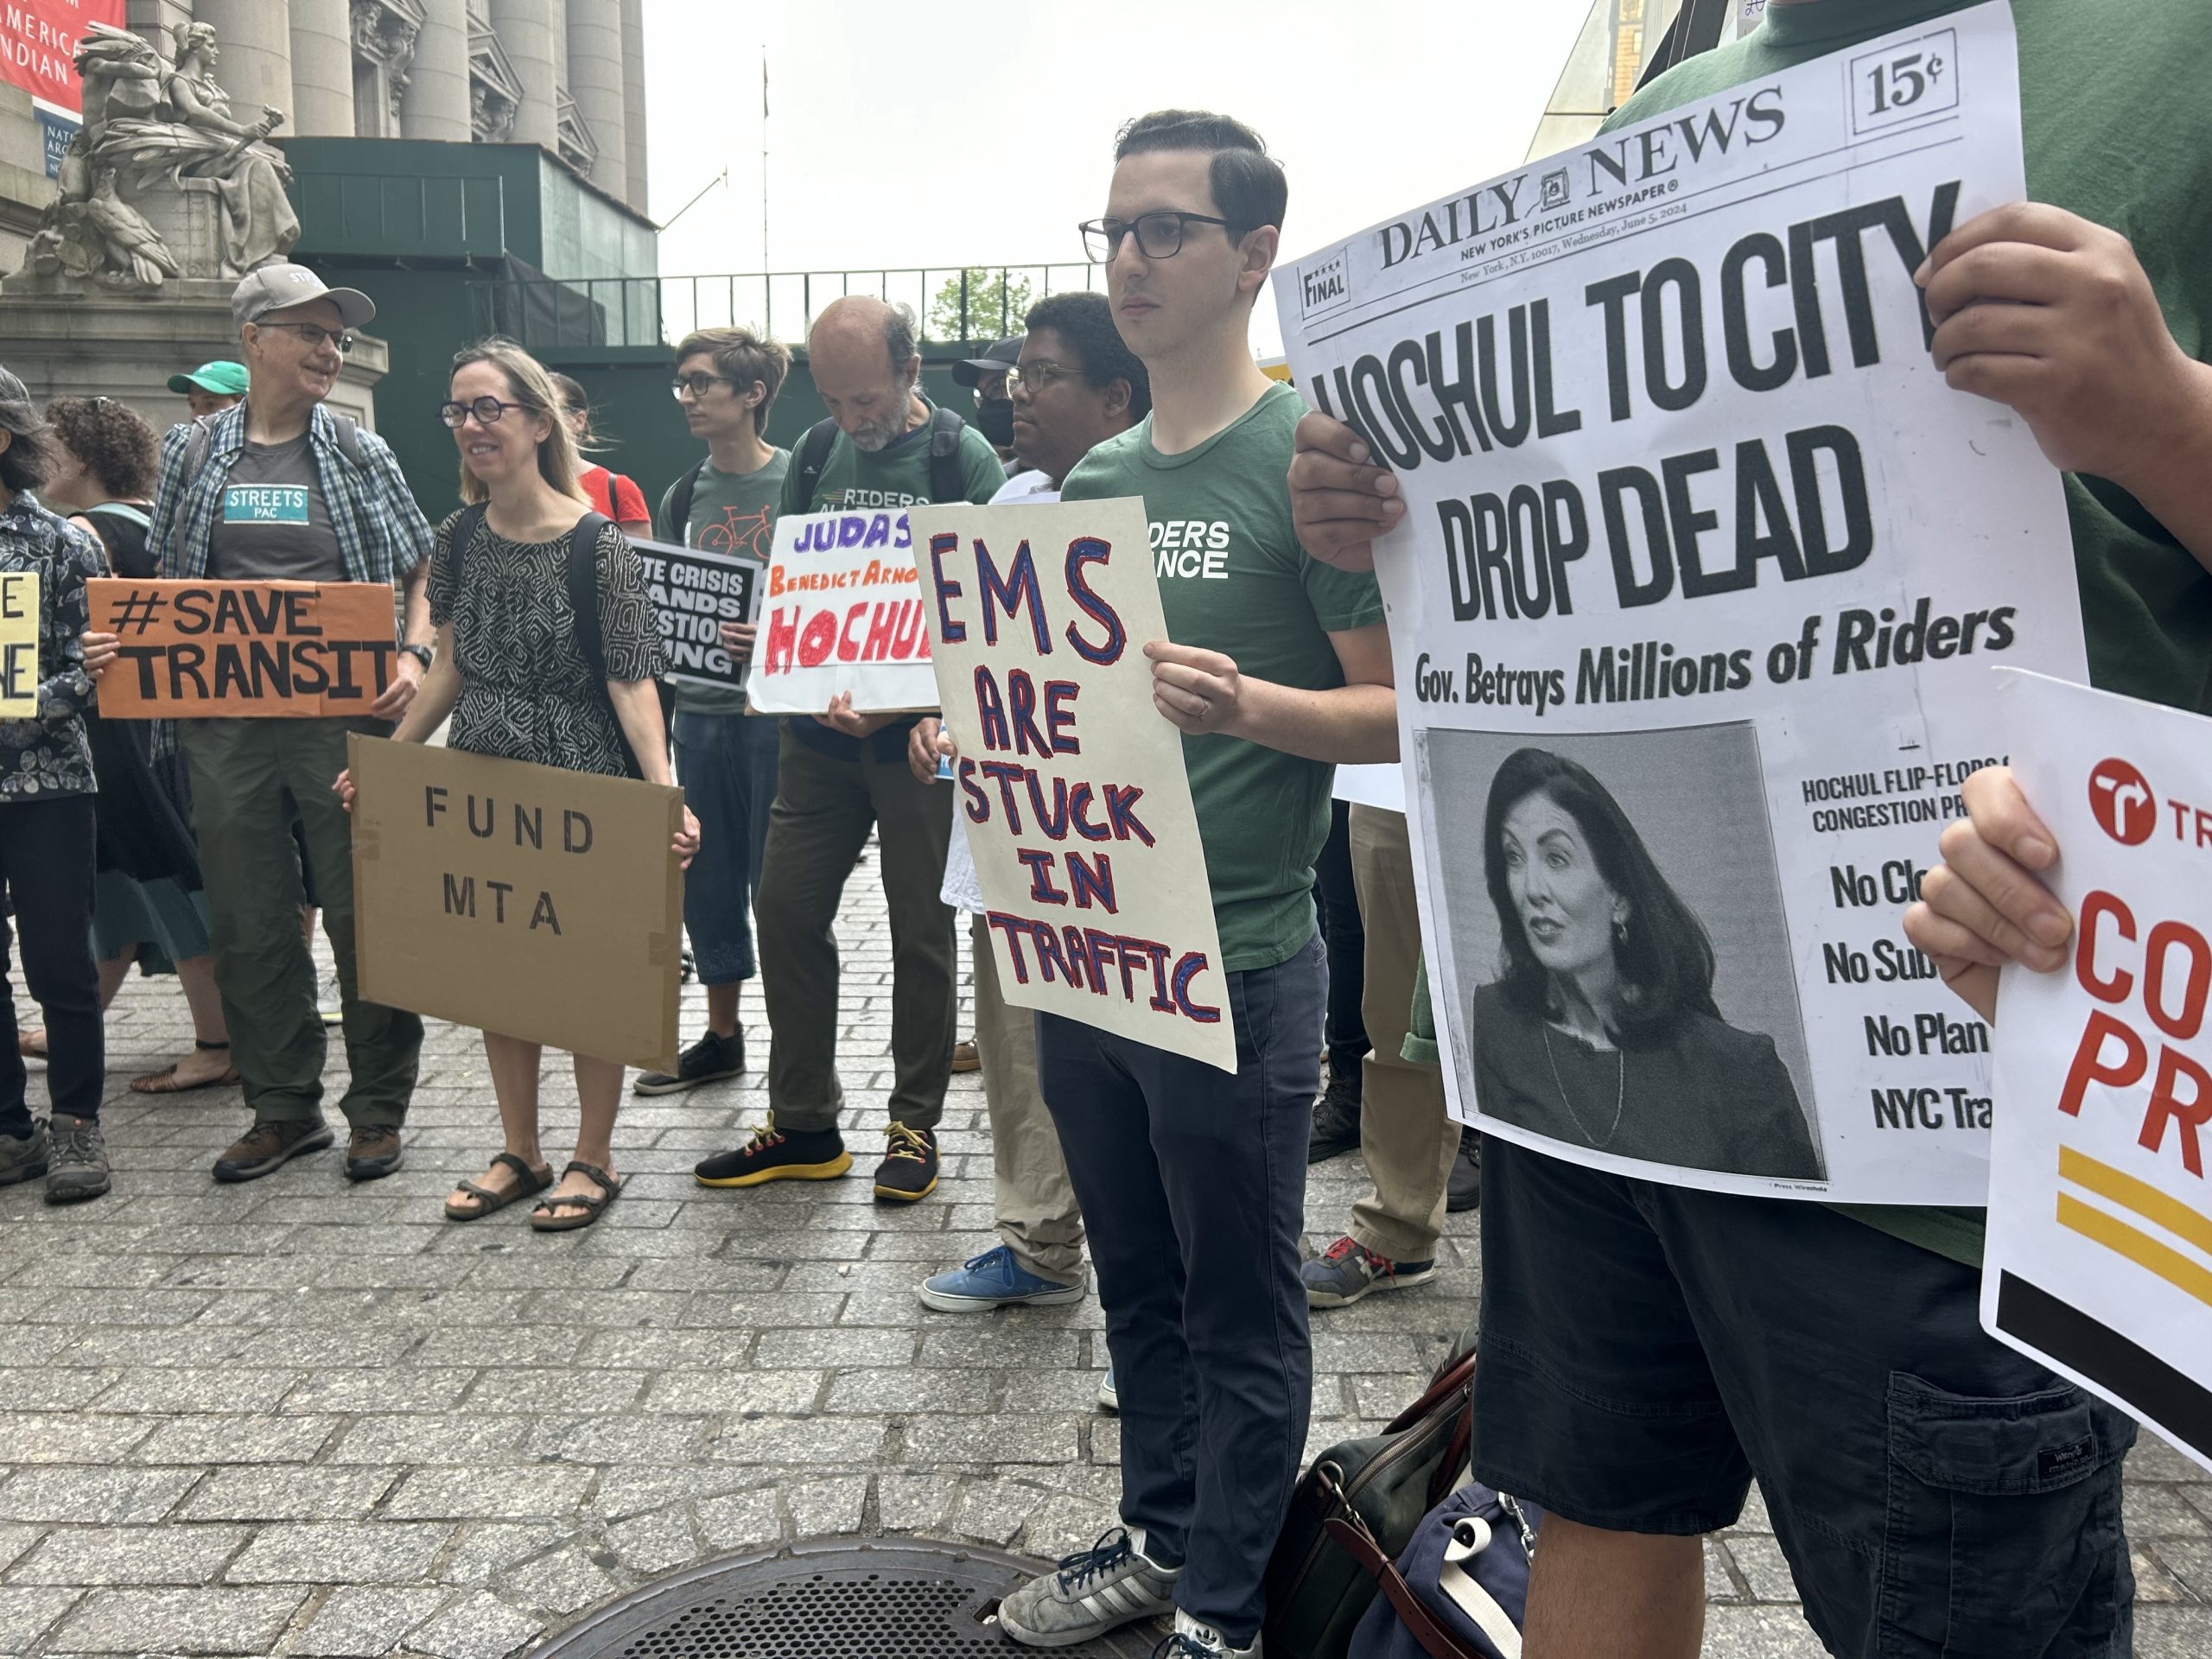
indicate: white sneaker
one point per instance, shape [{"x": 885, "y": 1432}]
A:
[
  {"x": 1094, "y": 1590},
  {"x": 1193, "y": 1640},
  {"x": 329, "y": 1006}
]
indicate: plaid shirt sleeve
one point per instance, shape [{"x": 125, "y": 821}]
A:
[
  {"x": 403, "y": 530},
  {"x": 163, "y": 539}
]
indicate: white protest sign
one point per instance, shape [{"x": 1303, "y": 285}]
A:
[
  {"x": 1071, "y": 788},
  {"x": 1702, "y": 570},
  {"x": 841, "y": 613},
  {"x": 2099, "y": 1259}
]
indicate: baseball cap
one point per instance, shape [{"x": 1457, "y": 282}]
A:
[
  {"x": 222, "y": 376},
  {"x": 272, "y": 288},
  {"x": 997, "y": 359}
]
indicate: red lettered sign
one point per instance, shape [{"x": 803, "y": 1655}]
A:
[{"x": 38, "y": 45}]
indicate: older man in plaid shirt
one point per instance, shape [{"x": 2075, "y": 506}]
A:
[{"x": 342, "y": 513}]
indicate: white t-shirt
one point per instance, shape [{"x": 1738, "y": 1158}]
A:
[{"x": 961, "y": 889}]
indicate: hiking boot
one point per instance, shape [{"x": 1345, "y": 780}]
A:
[
  {"x": 774, "y": 1155},
  {"x": 269, "y": 1147},
  {"x": 965, "y": 1057},
  {"x": 994, "y": 1279},
  {"x": 908, "y": 1171},
  {"x": 372, "y": 1151},
  {"x": 24, "y": 1157},
  {"x": 79, "y": 1169},
  {"x": 1094, "y": 1590},
  {"x": 1336, "y": 1117},
  {"x": 708, "y": 1060},
  {"x": 1193, "y": 1640},
  {"x": 1465, "y": 1190},
  {"x": 1347, "y": 1270}
]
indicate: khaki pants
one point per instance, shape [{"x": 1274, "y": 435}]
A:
[
  {"x": 249, "y": 776},
  {"x": 825, "y": 805},
  {"x": 1409, "y": 1142},
  {"x": 1037, "y": 1215}
]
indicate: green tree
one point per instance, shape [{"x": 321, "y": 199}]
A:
[{"x": 993, "y": 296}]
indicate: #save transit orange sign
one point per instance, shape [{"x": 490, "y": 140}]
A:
[{"x": 302, "y": 650}]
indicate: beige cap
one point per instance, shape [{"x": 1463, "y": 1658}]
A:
[{"x": 272, "y": 288}]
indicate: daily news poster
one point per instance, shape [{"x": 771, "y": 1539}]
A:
[{"x": 1694, "y": 608}]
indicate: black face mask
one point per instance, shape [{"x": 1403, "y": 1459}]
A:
[{"x": 994, "y": 420}]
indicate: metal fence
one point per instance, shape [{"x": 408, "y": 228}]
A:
[{"x": 580, "y": 313}]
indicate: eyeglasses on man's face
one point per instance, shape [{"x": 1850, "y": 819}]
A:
[
  {"x": 1160, "y": 235},
  {"x": 697, "y": 386},
  {"x": 487, "y": 410},
  {"x": 1030, "y": 380},
  {"x": 315, "y": 334}
]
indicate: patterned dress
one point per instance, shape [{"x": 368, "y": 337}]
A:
[{"x": 526, "y": 692}]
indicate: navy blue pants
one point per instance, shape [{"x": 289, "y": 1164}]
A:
[
  {"x": 727, "y": 764},
  {"x": 1192, "y": 1188}
]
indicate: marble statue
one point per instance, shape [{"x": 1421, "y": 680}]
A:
[{"x": 156, "y": 129}]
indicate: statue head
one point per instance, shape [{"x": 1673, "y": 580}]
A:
[{"x": 198, "y": 41}]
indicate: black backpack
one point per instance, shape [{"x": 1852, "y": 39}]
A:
[
  {"x": 813, "y": 455},
  {"x": 582, "y": 574}
]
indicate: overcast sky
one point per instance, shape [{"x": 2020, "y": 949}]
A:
[{"x": 980, "y": 133}]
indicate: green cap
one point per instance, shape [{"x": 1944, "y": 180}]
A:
[{"x": 222, "y": 376}]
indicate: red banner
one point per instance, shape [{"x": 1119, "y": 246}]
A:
[{"x": 38, "y": 45}]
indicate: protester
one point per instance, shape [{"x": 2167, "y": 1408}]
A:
[
  {"x": 1075, "y": 385},
  {"x": 726, "y": 380},
  {"x": 1413, "y": 1150},
  {"x": 1344, "y": 940},
  {"x": 520, "y": 683},
  {"x": 1644, "y": 1347},
  {"x": 349, "y": 516},
  {"x": 147, "y": 908},
  {"x": 841, "y": 773},
  {"x": 1193, "y": 1183},
  {"x": 47, "y": 833},
  {"x": 611, "y": 494},
  {"x": 986, "y": 376},
  {"x": 210, "y": 388}
]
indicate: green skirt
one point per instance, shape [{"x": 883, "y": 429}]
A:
[{"x": 157, "y": 924}]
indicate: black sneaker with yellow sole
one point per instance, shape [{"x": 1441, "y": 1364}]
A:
[
  {"x": 908, "y": 1171},
  {"x": 774, "y": 1155}
]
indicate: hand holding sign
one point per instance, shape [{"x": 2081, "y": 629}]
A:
[
  {"x": 1339, "y": 502},
  {"x": 1987, "y": 904},
  {"x": 1197, "y": 691}
]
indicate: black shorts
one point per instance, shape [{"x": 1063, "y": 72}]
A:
[{"x": 1646, "y": 1349}]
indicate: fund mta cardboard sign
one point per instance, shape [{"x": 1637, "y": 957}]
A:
[
  {"x": 1071, "y": 785},
  {"x": 302, "y": 650},
  {"x": 528, "y": 900},
  {"x": 2099, "y": 1251}
]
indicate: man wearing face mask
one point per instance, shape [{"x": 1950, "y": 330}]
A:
[{"x": 986, "y": 377}]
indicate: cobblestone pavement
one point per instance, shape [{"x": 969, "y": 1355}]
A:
[{"x": 297, "y": 1417}]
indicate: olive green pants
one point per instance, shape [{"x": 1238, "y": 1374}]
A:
[{"x": 249, "y": 779}]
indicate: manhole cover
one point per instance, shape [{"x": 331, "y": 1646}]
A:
[{"x": 837, "y": 1598}]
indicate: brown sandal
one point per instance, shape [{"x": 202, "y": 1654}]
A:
[
  {"x": 555, "y": 1215},
  {"x": 529, "y": 1182},
  {"x": 164, "y": 1082}
]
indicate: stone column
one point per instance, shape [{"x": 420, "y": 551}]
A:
[
  {"x": 595, "y": 82},
  {"x": 322, "y": 69},
  {"x": 434, "y": 104},
  {"x": 527, "y": 29},
  {"x": 633, "y": 100},
  {"x": 255, "y": 41}
]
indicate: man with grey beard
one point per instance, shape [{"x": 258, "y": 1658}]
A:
[{"x": 839, "y": 773}]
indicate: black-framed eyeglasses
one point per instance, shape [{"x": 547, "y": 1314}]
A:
[
  {"x": 315, "y": 334},
  {"x": 1160, "y": 236},
  {"x": 698, "y": 385},
  {"x": 488, "y": 410},
  {"x": 1030, "y": 380}
]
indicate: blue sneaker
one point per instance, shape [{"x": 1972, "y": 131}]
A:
[
  {"x": 1109, "y": 1397},
  {"x": 993, "y": 1279}
]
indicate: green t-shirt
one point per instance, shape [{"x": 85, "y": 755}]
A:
[
  {"x": 1234, "y": 579},
  {"x": 731, "y": 512},
  {"x": 2115, "y": 128}
]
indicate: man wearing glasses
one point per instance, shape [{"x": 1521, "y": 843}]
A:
[
  {"x": 1192, "y": 1185},
  {"x": 279, "y": 489},
  {"x": 725, "y": 380}
]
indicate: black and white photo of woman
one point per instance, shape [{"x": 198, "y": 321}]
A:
[{"x": 1601, "y": 1030}]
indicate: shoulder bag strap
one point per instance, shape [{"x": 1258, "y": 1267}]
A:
[
  {"x": 1356, "y": 1542},
  {"x": 946, "y": 482}
]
